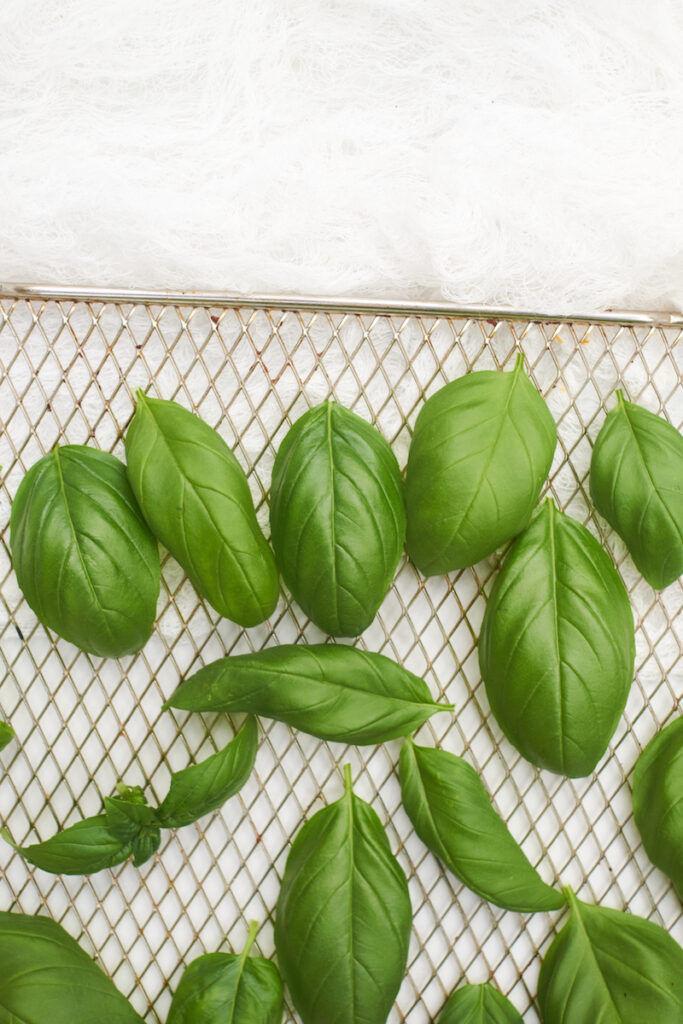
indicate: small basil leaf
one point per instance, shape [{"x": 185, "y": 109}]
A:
[
  {"x": 196, "y": 498},
  {"x": 658, "y": 801},
  {"x": 145, "y": 845},
  {"x": 328, "y": 690},
  {"x": 127, "y": 814},
  {"x": 6, "y": 734},
  {"x": 204, "y": 787},
  {"x": 343, "y": 917},
  {"x": 557, "y": 645},
  {"x": 610, "y": 967},
  {"x": 84, "y": 558},
  {"x": 636, "y": 482},
  {"x": 46, "y": 978},
  {"x": 81, "y": 849},
  {"x": 337, "y": 517},
  {"x": 222, "y": 987},
  {"x": 452, "y": 813},
  {"x": 478, "y": 1004},
  {"x": 481, "y": 450}
]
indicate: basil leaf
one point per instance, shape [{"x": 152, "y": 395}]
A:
[
  {"x": 195, "y": 496},
  {"x": 610, "y": 967},
  {"x": 128, "y": 812},
  {"x": 6, "y": 734},
  {"x": 328, "y": 690},
  {"x": 658, "y": 801},
  {"x": 343, "y": 916},
  {"x": 222, "y": 987},
  {"x": 84, "y": 558},
  {"x": 337, "y": 517},
  {"x": 557, "y": 645},
  {"x": 145, "y": 845},
  {"x": 46, "y": 978},
  {"x": 481, "y": 450},
  {"x": 452, "y": 813},
  {"x": 478, "y": 1004},
  {"x": 204, "y": 787},
  {"x": 81, "y": 849}
]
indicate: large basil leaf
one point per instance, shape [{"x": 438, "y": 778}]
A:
[
  {"x": 557, "y": 645},
  {"x": 196, "y": 499},
  {"x": 607, "y": 967},
  {"x": 658, "y": 801},
  {"x": 636, "y": 482},
  {"x": 481, "y": 450},
  {"x": 337, "y": 517},
  {"x": 343, "y": 917},
  {"x": 225, "y": 987},
  {"x": 329, "y": 690},
  {"x": 84, "y": 558},
  {"x": 478, "y": 1004},
  {"x": 46, "y": 978},
  {"x": 6, "y": 734},
  {"x": 447, "y": 803}
]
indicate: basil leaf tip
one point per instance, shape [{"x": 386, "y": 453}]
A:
[
  {"x": 658, "y": 801},
  {"x": 6, "y": 734}
]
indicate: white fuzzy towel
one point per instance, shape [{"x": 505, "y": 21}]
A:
[{"x": 525, "y": 153}]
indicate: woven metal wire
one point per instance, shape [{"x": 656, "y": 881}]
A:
[{"x": 68, "y": 371}]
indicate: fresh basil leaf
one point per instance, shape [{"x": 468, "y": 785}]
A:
[
  {"x": 337, "y": 517},
  {"x": 145, "y": 845},
  {"x": 328, "y": 690},
  {"x": 82, "y": 849},
  {"x": 636, "y": 483},
  {"x": 204, "y": 787},
  {"x": 658, "y": 801},
  {"x": 226, "y": 987},
  {"x": 557, "y": 645},
  {"x": 46, "y": 978},
  {"x": 481, "y": 450},
  {"x": 196, "y": 498},
  {"x": 128, "y": 812},
  {"x": 478, "y": 1004},
  {"x": 612, "y": 968},
  {"x": 343, "y": 917},
  {"x": 452, "y": 813},
  {"x": 6, "y": 734},
  {"x": 84, "y": 558}
]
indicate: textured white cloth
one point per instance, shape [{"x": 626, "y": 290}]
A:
[{"x": 485, "y": 152}]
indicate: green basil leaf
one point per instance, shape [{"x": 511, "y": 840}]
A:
[
  {"x": 81, "y": 849},
  {"x": 328, "y": 690},
  {"x": 84, "y": 558},
  {"x": 478, "y": 1004},
  {"x": 557, "y": 645},
  {"x": 481, "y": 450},
  {"x": 636, "y": 483},
  {"x": 127, "y": 814},
  {"x": 452, "y": 813},
  {"x": 343, "y": 917},
  {"x": 6, "y": 734},
  {"x": 612, "y": 968},
  {"x": 204, "y": 787},
  {"x": 46, "y": 978},
  {"x": 226, "y": 987},
  {"x": 337, "y": 517},
  {"x": 145, "y": 845},
  {"x": 196, "y": 498},
  {"x": 658, "y": 801}
]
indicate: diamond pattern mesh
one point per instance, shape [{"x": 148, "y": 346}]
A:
[{"x": 68, "y": 371}]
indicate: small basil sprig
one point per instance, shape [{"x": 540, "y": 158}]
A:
[
  {"x": 605, "y": 965},
  {"x": 452, "y": 813},
  {"x": 221, "y": 987},
  {"x": 478, "y": 1004},
  {"x": 658, "y": 801},
  {"x": 331, "y": 691},
  {"x": 129, "y": 827},
  {"x": 6, "y": 734}
]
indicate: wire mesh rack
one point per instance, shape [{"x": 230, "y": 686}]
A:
[{"x": 68, "y": 368}]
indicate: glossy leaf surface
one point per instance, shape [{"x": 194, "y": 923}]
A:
[
  {"x": 6, "y": 734},
  {"x": 557, "y": 645},
  {"x": 480, "y": 453},
  {"x": 478, "y": 1004},
  {"x": 658, "y": 801}
]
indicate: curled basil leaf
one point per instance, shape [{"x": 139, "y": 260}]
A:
[
  {"x": 222, "y": 987},
  {"x": 337, "y": 517},
  {"x": 84, "y": 558},
  {"x": 452, "y": 813},
  {"x": 636, "y": 483},
  {"x": 658, "y": 801},
  {"x": 343, "y": 916},
  {"x": 46, "y": 978},
  {"x": 6, "y": 734},
  {"x": 196, "y": 498},
  {"x": 610, "y": 967},
  {"x": 478, "y": 1004},
  {"x": 557, "y": 645},
  {"x": 328, "y": 690},
  {"x": 481, "y": 450}
]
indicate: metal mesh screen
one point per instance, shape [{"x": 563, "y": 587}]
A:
[{"x": 68, "y": 372}]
